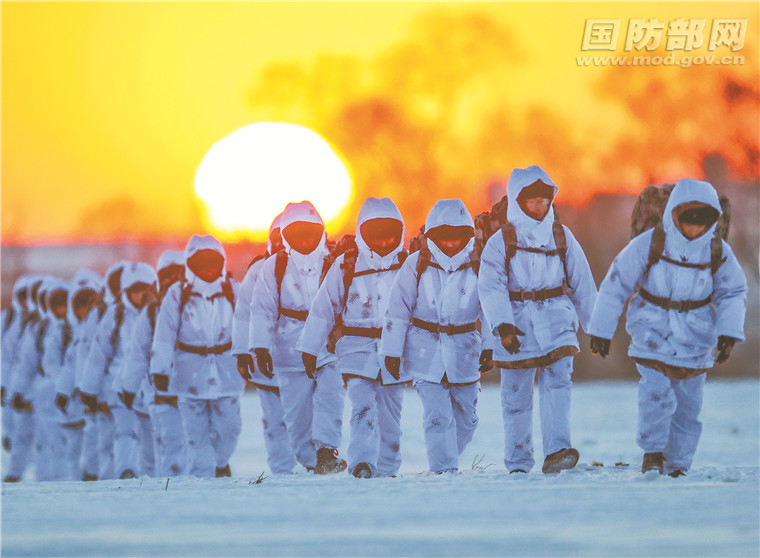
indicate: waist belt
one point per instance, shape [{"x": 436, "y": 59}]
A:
[
  {"x": 371, "y": 332},
  {"x": 204, "y": 351},
  {"x": 449, "y": 329},
  {"x": 538, "y": 295},
  {"x": 299, "y": 315},
  {"x": 670, "y": 304},
  {"x": 165, "y": 400}
]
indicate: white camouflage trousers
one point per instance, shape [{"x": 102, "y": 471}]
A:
[
  {"x": 89, "y": 463},
  {"x": 126, "y": 445},
  {"x": 71, "y": 436},
  {"x": 313, "y": 411},
  {"x": 146, "y": 443},
  {"x": 106, "y": 433},
  {"x": 21, "y": 443},
  {"x": 170, "y": 440},
  {"x": 554, "y": 388},
  {"x": 212, "y": 427},
  {"x": 449, "y": 421},
  {"x": 280, "y": 455},
  {"x": 669, "y": 416},
  {"x": 375, "y": 426}
]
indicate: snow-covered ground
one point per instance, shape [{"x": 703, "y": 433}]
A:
[{"x": 589, "y": 511}]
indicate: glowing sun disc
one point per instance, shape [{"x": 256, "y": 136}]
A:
[{"x": 249, "y": 176}]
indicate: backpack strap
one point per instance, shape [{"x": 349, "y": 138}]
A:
[
  {"x": 510, "y": 243},
  {"x": 117, "y": 326},
  {"x": 66, "y": 340},
  {"x": 41, "y": 334},
  {"x": 656, "y": 247},
  {"x": 228, "y": 291},
  {"x": 716, "y": 252},
  {"x": 8, "y": 318},
  {"x": 560, "y": 240},
  {"x": 349, "y": 267},
  {"x": 280, "y": 265},
  {"x": 152, "y": 312},
  {"x": 423, "y": 262}
]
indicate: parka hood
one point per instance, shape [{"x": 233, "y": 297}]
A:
[
  {"x": 688, "y": 190},
  {"x": 194, "y": 245},
  {"x": 20, "y": 285},
  {"x": 51, "y": 286},
  {"x": 136, "y": 272},
  {"x": 170, "y": 257},
  {"x": 378, "y": 208},
  {"x": 454, "y": 213},
  {"x": 275, "y": 225},
  {"x": 306, "y": 212},
  {"x": 83, "y": 279},
  {"x": 535, "y": 232},
  {"x": 109, "y": 297}
]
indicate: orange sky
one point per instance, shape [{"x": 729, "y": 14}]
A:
[{"x": 109, "y": 107}]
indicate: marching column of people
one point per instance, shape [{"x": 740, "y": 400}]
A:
[{"x": 141, "y": 372}]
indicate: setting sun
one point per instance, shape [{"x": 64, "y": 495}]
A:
[{"x": 247, "y": 177}]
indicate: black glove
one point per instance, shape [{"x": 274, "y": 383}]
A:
[
  {"x": 509, "y": 340},
  {"x": 393, "y": 365},
  {"x": 20, "y": 404},
  {"x": 725, "y": 346},
  {"x": 89, "y": 401},
  {"x": 600, "y": 346},
  {"x": 245, "y": 365},
  {"x": 6, "y": 443},
  {"x": 486, "y": 358},
  {"x": 61, "y": 401},
  {"x": 128, "y": 398},
  {"x": 310, "y": 363},
  {"x": 161, "y": 382},
  {"x": 2, "y": 396},
  {"x": 264, "y": 362}
]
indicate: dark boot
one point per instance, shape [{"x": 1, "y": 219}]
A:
[
  {"x": 652, "y": 461},
  {"x": 677, "y": 473},
  {"x": 128, "y": 474},
  {"x": 362, "y": 471},
  {"x": 223, "y": 471},
  {"x": 517, "y": 471},
  {"x": 329, "y": 462},
  {"x": 6, "y": 443},
  {"x": 11, "y": 478},
  {"x": 560, "y": 460},
  {"x": 88, "y": 477}
]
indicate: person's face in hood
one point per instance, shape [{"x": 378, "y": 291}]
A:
[
  {"x": 169, "y": 275},
  {"x": 207, "y": 265},
  {"x": 303, "y": 237},
  {"x": 275, "y": 239},
  {"x": 139, "y": 294},
  {"x": 536, "y": 199},
  {"x": 693, "y": 219},
  {"x": 59, "y": 303},
  {"x": 451, "y": 240},
  {"x": 83, "y": 302},
  {"x": 382, "y": 235}
]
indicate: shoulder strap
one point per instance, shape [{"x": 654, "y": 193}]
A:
[
  {"x": 560, "y": 240},
  {"x": 423, "y": 262},
  {"x": 510, "y": 243},
  {"x": 66, "y": 337},
  {"x": 349, "y": 266},
  {"x": 228, "y": 291},
  {"x": 402, "y": 256},
  {"x": 41, "y": 334},
  {"x": 716, "y": 252},
  {"x": 280, "y": 265},
  {"x": 117, "y": 326},
  {"x": 8, "y": 318},
  {"x": 656, "y": 247},
  {"x": 152, "y": 311}
]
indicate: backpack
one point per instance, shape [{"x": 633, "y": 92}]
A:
[
  {"x": 647, "y": 213},
  {"x": 486, "y": 225}
]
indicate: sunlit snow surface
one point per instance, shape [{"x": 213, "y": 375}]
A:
[{"x": 592, "y": 510}]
